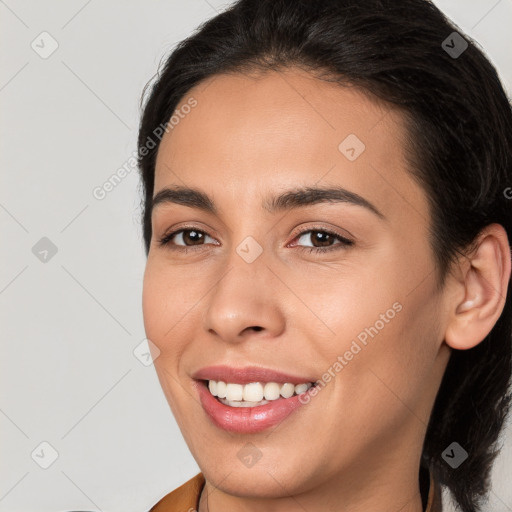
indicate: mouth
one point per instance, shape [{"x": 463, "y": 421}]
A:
[
  {"x": 252, "y": 407},
  {"x": 254, "y": 394}
]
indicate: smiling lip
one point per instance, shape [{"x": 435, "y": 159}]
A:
[
  {"x": 246, "y": 420},
  {"x": 248, "y": 374}
]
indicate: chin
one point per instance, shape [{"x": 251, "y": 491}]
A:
[{"x": 268, "y": 478}]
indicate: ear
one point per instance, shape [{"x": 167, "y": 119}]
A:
[{"x": 480, "y": 289}]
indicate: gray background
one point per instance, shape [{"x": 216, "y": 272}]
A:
[{"x": 70, "y": 324}]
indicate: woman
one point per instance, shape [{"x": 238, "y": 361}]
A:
[{"x": 327, "y": 225}]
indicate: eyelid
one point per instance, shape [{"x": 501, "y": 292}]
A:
[
  {"x": 344, "y": 240},
  {"x": 324, "y": 229},
  {"x": 164, "y": 240}
]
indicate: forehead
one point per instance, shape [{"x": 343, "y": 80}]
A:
[{"x": 248, "y": 134}]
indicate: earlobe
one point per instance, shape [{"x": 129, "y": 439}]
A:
[{"x": 484, "y": 282}]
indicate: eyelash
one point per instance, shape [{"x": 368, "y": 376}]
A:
[{"x": 165, "y": 240}]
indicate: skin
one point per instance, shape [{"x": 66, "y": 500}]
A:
[{"x": 355, "y": 446}]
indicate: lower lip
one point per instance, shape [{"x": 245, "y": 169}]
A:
[{"x": 246, "y": 420}]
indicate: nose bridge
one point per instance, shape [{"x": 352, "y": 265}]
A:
[
  {"x": 250, "y": 250},
  {"x": 242, "y": 296},
  {"x": 248, "y": 237}
]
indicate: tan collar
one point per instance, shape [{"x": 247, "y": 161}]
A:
[
  {"x": 186, "y": 497},
  {"x": 183, "y": 498}
]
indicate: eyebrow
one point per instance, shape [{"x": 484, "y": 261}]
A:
[{"x": 294, "y": 198}]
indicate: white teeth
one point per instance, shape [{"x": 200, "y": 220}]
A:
[
  {"x": 287, "y": 390},
  {"x": 254, "y": 393},
  {"x": 272, "y": 391},
  {"x": 242, "y": 403},
  {"x": 299, "y": 388},
  {"x": 234, "y": 391},
  {"x": 221, "y": 389}
]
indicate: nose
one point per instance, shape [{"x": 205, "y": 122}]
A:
[{"x": 244, "y": 301}]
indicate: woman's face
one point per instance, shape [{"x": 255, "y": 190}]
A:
[{"x": 364, "y": 319}]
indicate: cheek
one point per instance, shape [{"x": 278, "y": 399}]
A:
[
  {"x": 161, "y": 306},
  {"x": 152, "y": 304},
  {"x": 380, "y": 383},
  {"x": 378, "y": 326},
  {"x": 396, "y": 363},
  {"x": 162, "y": 311},
  {"x": 345, "y": 302}
]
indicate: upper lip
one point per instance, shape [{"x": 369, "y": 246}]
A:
[{"x": 248, "y": 374}]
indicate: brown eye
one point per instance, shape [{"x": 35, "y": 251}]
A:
[
  {"x": 186, "y": 237},
  {"x": 323, "y": 240}
]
